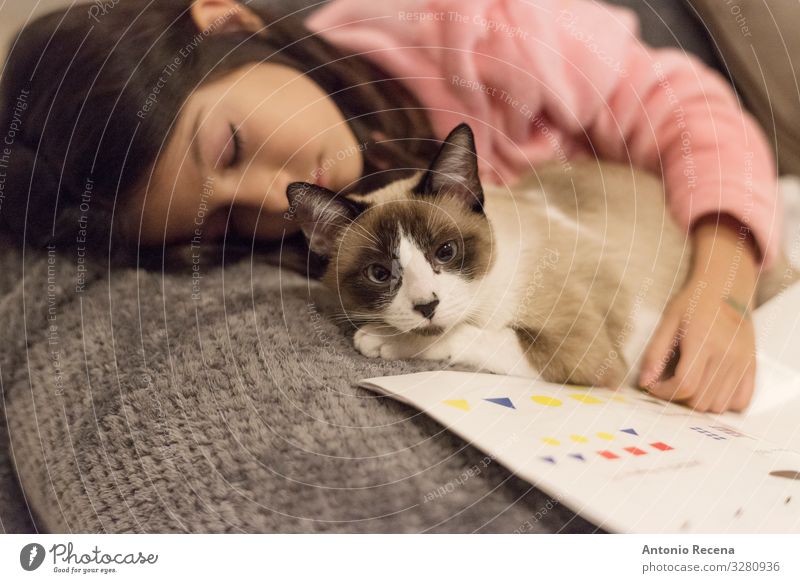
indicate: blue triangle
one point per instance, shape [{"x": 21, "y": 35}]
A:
[
  {"x": 550, "y": 459},
  {"x": 504, "y": 401},
  {"x": 631, "y": 431},
  {"x": 578, "y": 456}
]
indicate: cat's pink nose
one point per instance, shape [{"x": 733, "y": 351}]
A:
[{"x": 428, "y": 309}]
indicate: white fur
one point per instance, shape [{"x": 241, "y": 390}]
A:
[
  {"x": 474, "y": 314},
  {"x": 497, "y": 351},
  {"x": 645, "y": 322},
  {"x": 498, "y": 294},
  {"x": 420, "y": 285}
]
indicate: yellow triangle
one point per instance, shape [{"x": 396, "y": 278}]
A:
[{"x": 457, "y": 403}]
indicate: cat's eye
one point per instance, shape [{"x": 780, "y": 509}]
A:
[
  {"x": 377, "y": 273},
  {"x": 446, "y": 252}
]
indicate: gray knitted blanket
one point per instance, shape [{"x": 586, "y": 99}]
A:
[{"x": 221, "y": 400}]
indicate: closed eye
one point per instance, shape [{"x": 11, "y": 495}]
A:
[{"x": 236, "y": 140}]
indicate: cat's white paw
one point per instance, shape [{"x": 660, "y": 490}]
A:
[
  {"x": 369, "y": 339},
  {"x": 380, "y": 342}
]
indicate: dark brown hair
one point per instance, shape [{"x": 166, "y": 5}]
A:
[{"x": 77, "y": 80}]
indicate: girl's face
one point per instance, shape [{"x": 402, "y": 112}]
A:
[{"x": 238, "y": 142}]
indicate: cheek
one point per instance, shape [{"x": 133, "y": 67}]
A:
[
  {"x": 263, "y": 225},
  {"x": 454, "y": 291},
  {"x": 215, "y": 226},
  {"x": 357, "y": 297},
  {"x": 399, "y": 312},
  {"x": 276, "y": 202}
]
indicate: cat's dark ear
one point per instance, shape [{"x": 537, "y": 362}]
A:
[
  {"x": 321, "y": 213},
  {"x": 454, "y": 170}
]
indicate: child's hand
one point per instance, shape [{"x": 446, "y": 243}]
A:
[
  {"x": 716, "y": 368},
  {"x": 709, "y": 324}
]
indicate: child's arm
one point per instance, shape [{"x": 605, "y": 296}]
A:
[
  {"x": 710, "y": 321},
  {"x": 677, "y": 115},
  {"x": 720, "y": 180}
]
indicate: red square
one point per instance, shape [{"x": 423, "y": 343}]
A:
[
  {"x": 608, "y": 455},
  {"x": 636, "y": 450},
  {"x": 661, "y": 445}
]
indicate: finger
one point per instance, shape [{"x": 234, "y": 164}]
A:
[
  {"x": 701, "y": 400},
  {"x": 745, "y": 390},
  {"x": 661, "y": 348},
  {"x": 688, "y": 374},
  {"x": 719, "y": 382},
  {"x": 726, "y": 391}
]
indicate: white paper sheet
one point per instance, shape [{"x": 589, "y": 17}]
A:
[
  {"x": 774, "y": 413},
  {"x": 632, "y": 463}
]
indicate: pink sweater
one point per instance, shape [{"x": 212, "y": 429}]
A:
[{"x": 550, "y": 79}]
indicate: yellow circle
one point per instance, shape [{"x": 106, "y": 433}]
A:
[
  {"x": 579, "y": 438},
  {"x": 604, "y": 435},
  {"x": 546, "y": 401},
  {"x": 551, "y": 441}
]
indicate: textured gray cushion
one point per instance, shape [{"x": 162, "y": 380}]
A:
[{"x": 232, "y": 412}]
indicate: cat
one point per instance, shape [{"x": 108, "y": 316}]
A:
[{"x": 561, "y": 277}]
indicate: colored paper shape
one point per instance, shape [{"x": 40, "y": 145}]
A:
[
  {"x": 604, "y": 435},
  {"x": 546, "y": 401},
  {"x": 586, "y": 399},
  {"x": 629, "y": 430},
  {"x": 635, "y": 450},
  {"x": 549, "y": 459},
  {"x": 661, "y": 445},
  {"x": 578, "y": 456},
  {"x": 609, "y": 455},
  {"x": 504, "y": 401},
  {"x": 708, "y": 433},
  {"x": 551, "y": 441},
  {"x": 727, "y": 430},
  {"x": 457, "y": 403},
  {"x": 579, "y": 438}
]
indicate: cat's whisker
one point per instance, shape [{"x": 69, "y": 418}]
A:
[
  {"x": 364, "y": 232},
  {"x": 365, "y": 248},
  {"x": 357, "y": 316},
  {"x": 352, "y": 315}
]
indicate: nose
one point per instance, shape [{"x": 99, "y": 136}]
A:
[{"x": 427, "y": 309}]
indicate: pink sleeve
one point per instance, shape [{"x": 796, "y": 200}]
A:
[
  {"x": 537, "y": 80},
  {"x": 673, "y": 113}
]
